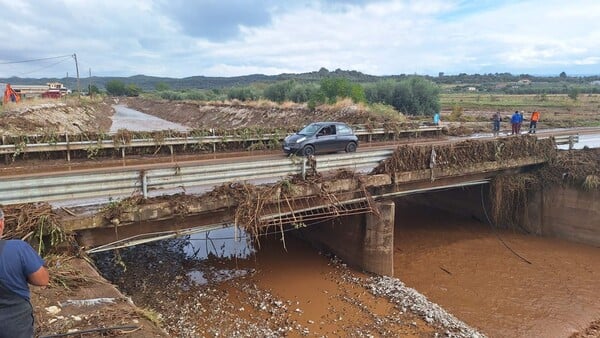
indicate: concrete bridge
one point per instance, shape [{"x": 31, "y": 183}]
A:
[{"x": 349, "y": 212}]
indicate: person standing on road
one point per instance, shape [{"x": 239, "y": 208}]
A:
[
  {"x": 514, "y": 121},
  {"x": 520, "y": 123},
  {"x": 496, "y": 119},
  {"x": 535, "y": 117},
  {"x": 19, "y": 265},
  {"x": 436, "y": 119}
]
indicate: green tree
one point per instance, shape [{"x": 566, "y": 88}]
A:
[
  {"x": 132, "y": 90},
  {"x": 161, "y": 87},
  {"x": 573, "y": 93},
  {"x": 115, "y": 88},
  {"x": 94, "y": 89},
  {"x": 242, "y": 94},
  {"x": 334, "y": 88},
  {"x": 423, "y": 97},
  {"x": 302, "y": 92},
  {"x": 279, "y": 92},
  {"x": 412, "y": 96}
]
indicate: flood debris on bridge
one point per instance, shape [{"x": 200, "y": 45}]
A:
[
  {"x": 258, "y": 208},
  {"x": 510, "y": 195},
  {"x": 465, "y": 153}
]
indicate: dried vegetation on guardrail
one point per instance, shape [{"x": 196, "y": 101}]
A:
[{"x": 411, "y": 157}]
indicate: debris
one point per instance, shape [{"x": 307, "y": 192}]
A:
[{"x": 87, "y": 302}]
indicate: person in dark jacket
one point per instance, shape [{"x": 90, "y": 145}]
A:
[
  {"x": 20, "y": 265},
  {"x": 496, "y": 119}
]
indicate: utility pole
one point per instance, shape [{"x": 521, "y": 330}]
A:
[
  {"x": 77, "y": 69},
  {"x": 90, "y": 85}
]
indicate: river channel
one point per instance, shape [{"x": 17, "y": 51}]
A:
[{"x": 503, "y": 283}]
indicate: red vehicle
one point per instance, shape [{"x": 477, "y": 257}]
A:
[{"x": 52, "y": 94}]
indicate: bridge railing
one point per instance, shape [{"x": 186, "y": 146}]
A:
[
  {"x": 117, "y": 183},
  {"x": 122, "y": 183},
  {"x": 109, "y": 143},
  {"x": 566, "y": 139}
]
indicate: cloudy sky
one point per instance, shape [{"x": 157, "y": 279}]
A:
[{"x": 181, "y": 38}]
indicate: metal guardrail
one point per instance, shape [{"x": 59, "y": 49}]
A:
[
  {"x": 9, "y": 149},
  {"x": 123, "y": 182},
  {"x": 564, "y": 139},
  {"x": 119, "y": 183}
]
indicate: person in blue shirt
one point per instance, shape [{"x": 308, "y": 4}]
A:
[
  {"x": 20, "y": 265},
  {"x": 515, "y": 121},
  {"x": 436, "y": 119}
]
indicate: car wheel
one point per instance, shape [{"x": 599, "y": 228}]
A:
[
  {"x": 351, "y": 147},
  {"x": 308, "y": 150}
]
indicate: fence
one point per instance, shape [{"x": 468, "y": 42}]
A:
[{"x": 92, "y": 146}]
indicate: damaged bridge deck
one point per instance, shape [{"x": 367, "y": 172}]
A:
[{"x": 287, "y": 202}]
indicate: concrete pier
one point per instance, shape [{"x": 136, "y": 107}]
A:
[{"x": 363, "y": 241}]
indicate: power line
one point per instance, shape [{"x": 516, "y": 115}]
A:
[
  {"x": 35, "y": 60},
  {"x": 46, "y": 67}
]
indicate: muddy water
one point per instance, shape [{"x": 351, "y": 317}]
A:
[
  {"x": 126, "y": 118},
  {"x": 464, "y": 266},
  {"x": 457, "y": 262}
]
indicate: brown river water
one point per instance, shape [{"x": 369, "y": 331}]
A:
[
  {"x": 544, "y": 287},
  {"x": 464, "y": 266}
]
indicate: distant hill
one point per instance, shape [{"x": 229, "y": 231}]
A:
[
  {"x": 196, "y": 82},
  {"x": 148, "y": 83}
]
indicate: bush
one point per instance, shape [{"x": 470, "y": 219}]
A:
[
  {"x": 242, "y": 94},
  {"x": 413, "y": 96}
]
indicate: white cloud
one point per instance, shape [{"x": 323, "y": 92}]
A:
[{"x": 124, "y": 38}]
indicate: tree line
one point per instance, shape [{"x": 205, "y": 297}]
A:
[{"x": 411, "y": 96}]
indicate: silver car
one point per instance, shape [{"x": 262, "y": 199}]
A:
[{"x": 321, "y": 137}]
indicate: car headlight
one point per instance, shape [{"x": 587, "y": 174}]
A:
[{"x": 300, "y": 140}]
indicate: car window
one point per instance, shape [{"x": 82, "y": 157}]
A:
[
  {"x": 311, "y": 129},
  {"x": 343, "y": 130}
]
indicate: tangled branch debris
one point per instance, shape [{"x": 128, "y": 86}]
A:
[
  {"x": 411, "y": 157},
  {"x": 509, "y": 194},
  {"x": 64, "y": 274},
  {"x": 576, "y": 167},
  {"x": 36, "y": 223}
]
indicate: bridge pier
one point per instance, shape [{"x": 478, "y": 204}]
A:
[
  {"x": 378, "y": 250},
  {"x": 362, "y": 241}
]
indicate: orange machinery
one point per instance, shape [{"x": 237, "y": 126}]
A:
[{"x": 10, "y": 95}]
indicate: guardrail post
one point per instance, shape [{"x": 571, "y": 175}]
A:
[
  {"x": 6, "y": 157},
  {"x": 214, "y": 144},
  {"x": 571, "y": 142},
  {"x": 144, "y": 184},
  {"x": 303, "y": 168},
  {"x": 68, "y": 147}
]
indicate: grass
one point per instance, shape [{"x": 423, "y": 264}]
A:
[
  {"x": 519, "y": 102},
  {"x": 556, "y": 110}
]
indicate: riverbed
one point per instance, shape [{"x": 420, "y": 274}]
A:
[{"x": 502, "y": 283}]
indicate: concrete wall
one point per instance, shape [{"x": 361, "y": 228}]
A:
[
  {"x": 363, "y": 241},
  {"x": 567, "y": 213}
]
